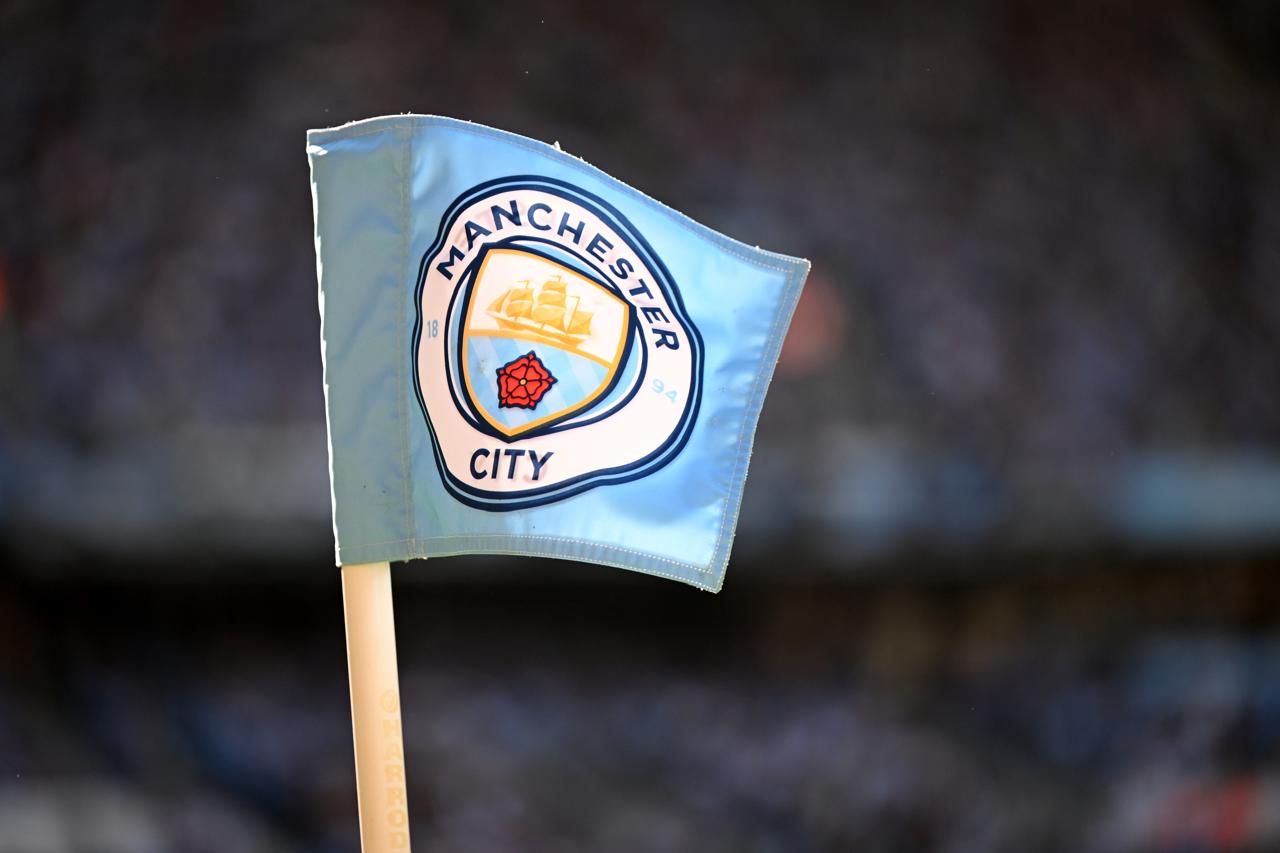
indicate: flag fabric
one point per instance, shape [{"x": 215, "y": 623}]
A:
[{"x": 524, "y": 355}]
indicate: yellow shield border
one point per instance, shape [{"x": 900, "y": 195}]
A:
[{"x": 612, "y": 367}]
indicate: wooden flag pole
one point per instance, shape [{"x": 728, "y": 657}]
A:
[{"x": 375, "y": 708}]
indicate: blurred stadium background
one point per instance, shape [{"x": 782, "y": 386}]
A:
[{"x": 1006, "y": 575}]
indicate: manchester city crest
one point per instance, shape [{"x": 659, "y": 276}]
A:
[
  {"x": 552, "y": 351},
  {"x": 557, "y": 336}
]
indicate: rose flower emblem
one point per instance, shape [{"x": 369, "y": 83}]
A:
[{"x": 523, "y": 382}]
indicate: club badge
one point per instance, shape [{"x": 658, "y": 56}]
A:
[{"x": 552, "y": 351}]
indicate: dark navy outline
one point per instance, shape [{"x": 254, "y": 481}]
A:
[
  {"x": 635, "y": 470},
  {"x": 639, "y": 335},
  {"x": 473, "y": 418},
  {"x": 655, "y": 460},
  {"x": 463, "y": 281},
  {"x": 473, "y": 269}
]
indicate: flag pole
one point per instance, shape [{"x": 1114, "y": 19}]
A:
[{"x": 375, "y": 708}]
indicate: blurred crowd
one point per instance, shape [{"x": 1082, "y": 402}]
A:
[
  {"x": 1044, "y": 245},
  {"x": 1025, "y": 430},
  {"x": 1137, "y": 710}
]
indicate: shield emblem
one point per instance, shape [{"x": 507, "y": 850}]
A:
[{"x": 541, "y": 341}]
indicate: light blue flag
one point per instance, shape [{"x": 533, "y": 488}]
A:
[{"x": 523, "y": 355}]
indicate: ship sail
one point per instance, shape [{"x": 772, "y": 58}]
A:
[
  {"x": 580, "y": 323},
  {"x": 516, "y": 302},
  {"x": 546, "y": 310},
  {"x": 552, "y": 294},
  {"x": 519, "y": 308},
  {"x": 552, "y": 315}
]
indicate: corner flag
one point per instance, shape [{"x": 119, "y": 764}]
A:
[{"x": 523, "y": 355}]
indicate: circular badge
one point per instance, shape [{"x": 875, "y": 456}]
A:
[{"x": 552, "y": 351}]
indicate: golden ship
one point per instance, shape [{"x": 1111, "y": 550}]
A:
[{"x": 545, "y": 311}]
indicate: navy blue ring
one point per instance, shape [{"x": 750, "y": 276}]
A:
[
  {"x": 467, "y": 284},
  {"x": 651, "y": 462}
]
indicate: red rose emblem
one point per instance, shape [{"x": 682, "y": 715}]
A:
[{"x": 523, "y": 382}]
